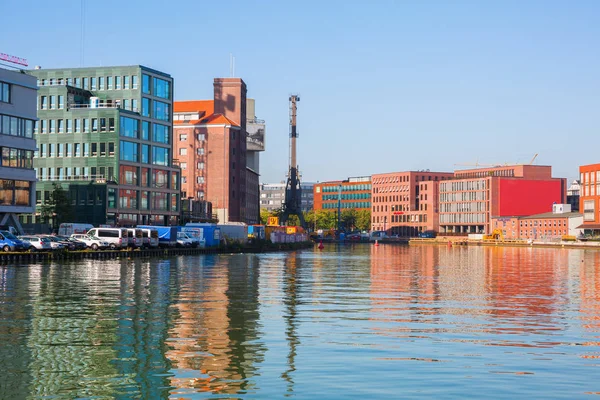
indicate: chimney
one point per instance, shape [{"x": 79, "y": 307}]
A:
[{"x": 230, "y": 99}]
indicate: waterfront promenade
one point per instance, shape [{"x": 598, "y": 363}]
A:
[{"x": 350, "y": 321}]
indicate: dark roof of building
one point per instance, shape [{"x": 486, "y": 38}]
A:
[{"x": 553, "y": 215}]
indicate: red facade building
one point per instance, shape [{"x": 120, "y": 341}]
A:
[
  {"x": 406, "y": 203},
  {"x": 469, "y": 201},
  {"x": 210, "y": 145}
]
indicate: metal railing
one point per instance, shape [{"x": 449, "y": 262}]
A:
[{"x": 98, "y": 178}]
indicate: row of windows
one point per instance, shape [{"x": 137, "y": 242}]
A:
[
  {"x": 547, "y": 223},
  {"x": 464, "y": 207},
  {"x": 76, "y": 173},
  {"x": 463, "y": 218},
  {"x": 199, "y": 179},
  {"x": 51, "y": 102},
  {"x": 402, "y": 218},
  {"x": 183, "y": 151},
  {"x": 95, "y": 82},
  {"x": 88, "y": 197},
  {"x": 83, "y": 125},
  {"x": 201, "y": 137},
  {"x": 14, "y": 193},
  {"x": 142, "y": 200},
  {"x": 479, "y": 184},
  {"x": 481, "y": 174},
  {"x": 345, "y": 188},
  {"x": 543, "y": 232},
  {"x": 131, "y": 128},
  {"x": 76, "y": 150},
  {"x": 390, "y": 189},
  {"x": 385, "y": 199},
  {"x": 360, "y": 204},
  {"x": 199, "y": 165},
  {"x": 16, "y": 158},
  {"x": 463, "y": 196},
  {"x": 348, "y": 196},
  {"x": 146, "y": 154},
  {"x": 140, "y": 176},
  {"x": 15, "y": 126}
]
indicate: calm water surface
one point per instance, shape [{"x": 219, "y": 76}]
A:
[{"x": 347, "y": 322}]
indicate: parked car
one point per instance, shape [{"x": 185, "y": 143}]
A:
[
  {"x": 73, "y": 244},
  {"x": 37, "y": 243},
  {"x": 55, "y": 243},
  {"x": 116, "y": 237},
  {"x": 9, "y": 242},
  {"x": 91, "y": 242}
]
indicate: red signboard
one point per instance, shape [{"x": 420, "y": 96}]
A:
[
  {"x": 13, "y": 59},
  {"x": 398, "y": 212},
  {"x": 528, "y": 197}
]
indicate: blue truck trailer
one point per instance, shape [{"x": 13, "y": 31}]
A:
[{"x": 210, "y": 232}]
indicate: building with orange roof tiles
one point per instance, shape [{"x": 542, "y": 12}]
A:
[{"x": 210, "y": 145}]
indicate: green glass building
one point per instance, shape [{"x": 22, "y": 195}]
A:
[{"x": 105, "y": 134}]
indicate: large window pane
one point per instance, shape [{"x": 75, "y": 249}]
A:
[
  {"x": 129, "y": 127},
  {"x": 161, "y": 111},
  {"x": 128, "y": 151},
  {"x": 162, "y": 88},
  {"x": 160, "y": 156},
  {"x": 160, "y": 133},
  {"x": 146, "y": 84},
  {"x": 145, "y": 107}
]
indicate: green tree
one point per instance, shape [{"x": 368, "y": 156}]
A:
[
  {"x": 264, "y": 216},
  {"x": 363, "y": 220},
  {"x": 349, "y": 217},
  {"x": 326, "y": 219},
  {"x": 58, "y": 208}
]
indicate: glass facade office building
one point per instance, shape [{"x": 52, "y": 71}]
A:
[
  {"x": 17, "y": 146},
  {"x": 106, "y": 135}
]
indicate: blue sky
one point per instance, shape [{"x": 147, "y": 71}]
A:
[{"x": 385, "y": 85}]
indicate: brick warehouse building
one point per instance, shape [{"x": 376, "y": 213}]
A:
[
  {"x": 559, "y": 222},
  {"x": 210, "y": 145},
  {"x": 406, "y": 203},
  {"x": 469, "y": 201},
  {"x": 355, "y": 193}
]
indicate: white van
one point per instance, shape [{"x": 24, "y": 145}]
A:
[
  {"x": 72, "y": 229},
  {"x": 116, "y": 237},
  {"x": 135, "y": 237},
  {"x": 149, "y": 237}
]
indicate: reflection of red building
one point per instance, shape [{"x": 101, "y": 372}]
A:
[{"x": 468, "y": 203}]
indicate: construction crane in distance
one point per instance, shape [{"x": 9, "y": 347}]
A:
[
  {"x": 476, "y": 164},
  {"x": 293, "y": 192}
]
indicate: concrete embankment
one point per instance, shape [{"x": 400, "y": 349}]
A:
[
  {"x": 507, "y": 243},
  {"x": 11, "y": 258}
]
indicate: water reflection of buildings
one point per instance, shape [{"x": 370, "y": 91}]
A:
[
  {"x": 517, "y": 289},
  {"x": 69, "y": 341},
  {"x": 213, "y": 344},
  {"x": 589, "y": 278}
]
